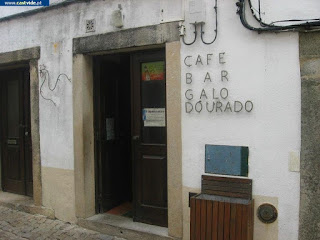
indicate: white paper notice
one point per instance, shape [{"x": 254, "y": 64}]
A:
[
  {"x": 154, "y": 117},
  {"x": 110, "y": 128}
]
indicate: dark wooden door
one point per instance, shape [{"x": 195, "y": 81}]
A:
[
  {"x": 149, "y": 138},
  {"x": 16, "y": 155}
]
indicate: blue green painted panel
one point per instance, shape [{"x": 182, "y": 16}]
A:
[{"x": 227, "y": 160}]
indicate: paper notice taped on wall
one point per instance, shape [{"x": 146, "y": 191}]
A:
[{"x": 154, "y": 117}]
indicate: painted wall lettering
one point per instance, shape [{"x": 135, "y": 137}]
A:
[
  {"x": 188, "y": 78},
  {"x": 210, "y": 98},
  {"x": 198, "y": 60}
]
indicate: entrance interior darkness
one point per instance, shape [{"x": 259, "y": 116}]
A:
[
  {"x": 113, "y": 134},
  {"x": 130, "y": 136},
  {"x": 15, "y": 137}
]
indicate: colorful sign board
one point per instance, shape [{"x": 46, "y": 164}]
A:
[{"x": 153, "y": 71}]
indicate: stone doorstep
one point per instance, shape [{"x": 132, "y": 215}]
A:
[
  {"x": 124, "y": 227},
  {"x": 24, "y": 204}
]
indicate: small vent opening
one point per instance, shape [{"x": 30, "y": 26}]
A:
[{"x": 90, "y": 25}]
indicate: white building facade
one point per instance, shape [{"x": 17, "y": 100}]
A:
[{"x": 243, "y": 89}]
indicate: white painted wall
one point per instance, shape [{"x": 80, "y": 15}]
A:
[{"x": 263, "y": 68}]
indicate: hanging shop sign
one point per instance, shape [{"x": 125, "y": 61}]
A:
[{"x": 211, "y": 99}]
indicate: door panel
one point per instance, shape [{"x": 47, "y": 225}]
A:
[
  {"x": 149, "y": 138},
  {"x": 153, "y": 165},
  {"x": 16, "y": 155},
  {"x": 13, "y": 162},
  {"x": 13, "y": 108}
]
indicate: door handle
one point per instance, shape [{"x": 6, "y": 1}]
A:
[{"x": 135, "y": 138}]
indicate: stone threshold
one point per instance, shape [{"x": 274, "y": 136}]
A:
[
  {"x": 124, "y": 227},
  {"x": 24, "y": 204}
]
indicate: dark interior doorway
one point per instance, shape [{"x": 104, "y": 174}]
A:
[
  {"x": 113, "y": 131},
  {"x": 15, "y": 132},
  {"x": 130, "y": 136}
]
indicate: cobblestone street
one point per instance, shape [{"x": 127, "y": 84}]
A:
[{"x": 16, "y": 225}]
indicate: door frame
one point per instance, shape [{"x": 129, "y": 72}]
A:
[
  {"x": 168, "y": 38},
  {"x": 29, "y": 58}
]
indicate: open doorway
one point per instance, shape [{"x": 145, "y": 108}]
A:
[
  {"x": 130, "y": 136},
  {"x": 15, "y": 132},
  {"x": 113, "y": 134}
]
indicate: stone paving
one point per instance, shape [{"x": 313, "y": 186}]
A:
[{"x": 16, "y": 225}]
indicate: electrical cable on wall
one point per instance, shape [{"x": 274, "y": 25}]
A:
[
  {"x": 182, "y": 29},
  {"x": 308, "y": 25},
  {"x": 44, "y": 73},
  {"x": 216, "y": 29},
  {"x": 195, "y": 34}
]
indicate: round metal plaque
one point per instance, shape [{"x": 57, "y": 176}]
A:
[{"x": 267, "y": 213}]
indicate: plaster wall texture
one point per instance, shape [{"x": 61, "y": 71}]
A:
[
  {"x": 53, "y": 31},
  {"x": 261, "y": 68},
  {"x": 58, "y": 192},
  {"x": 310, "y": 165}
]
